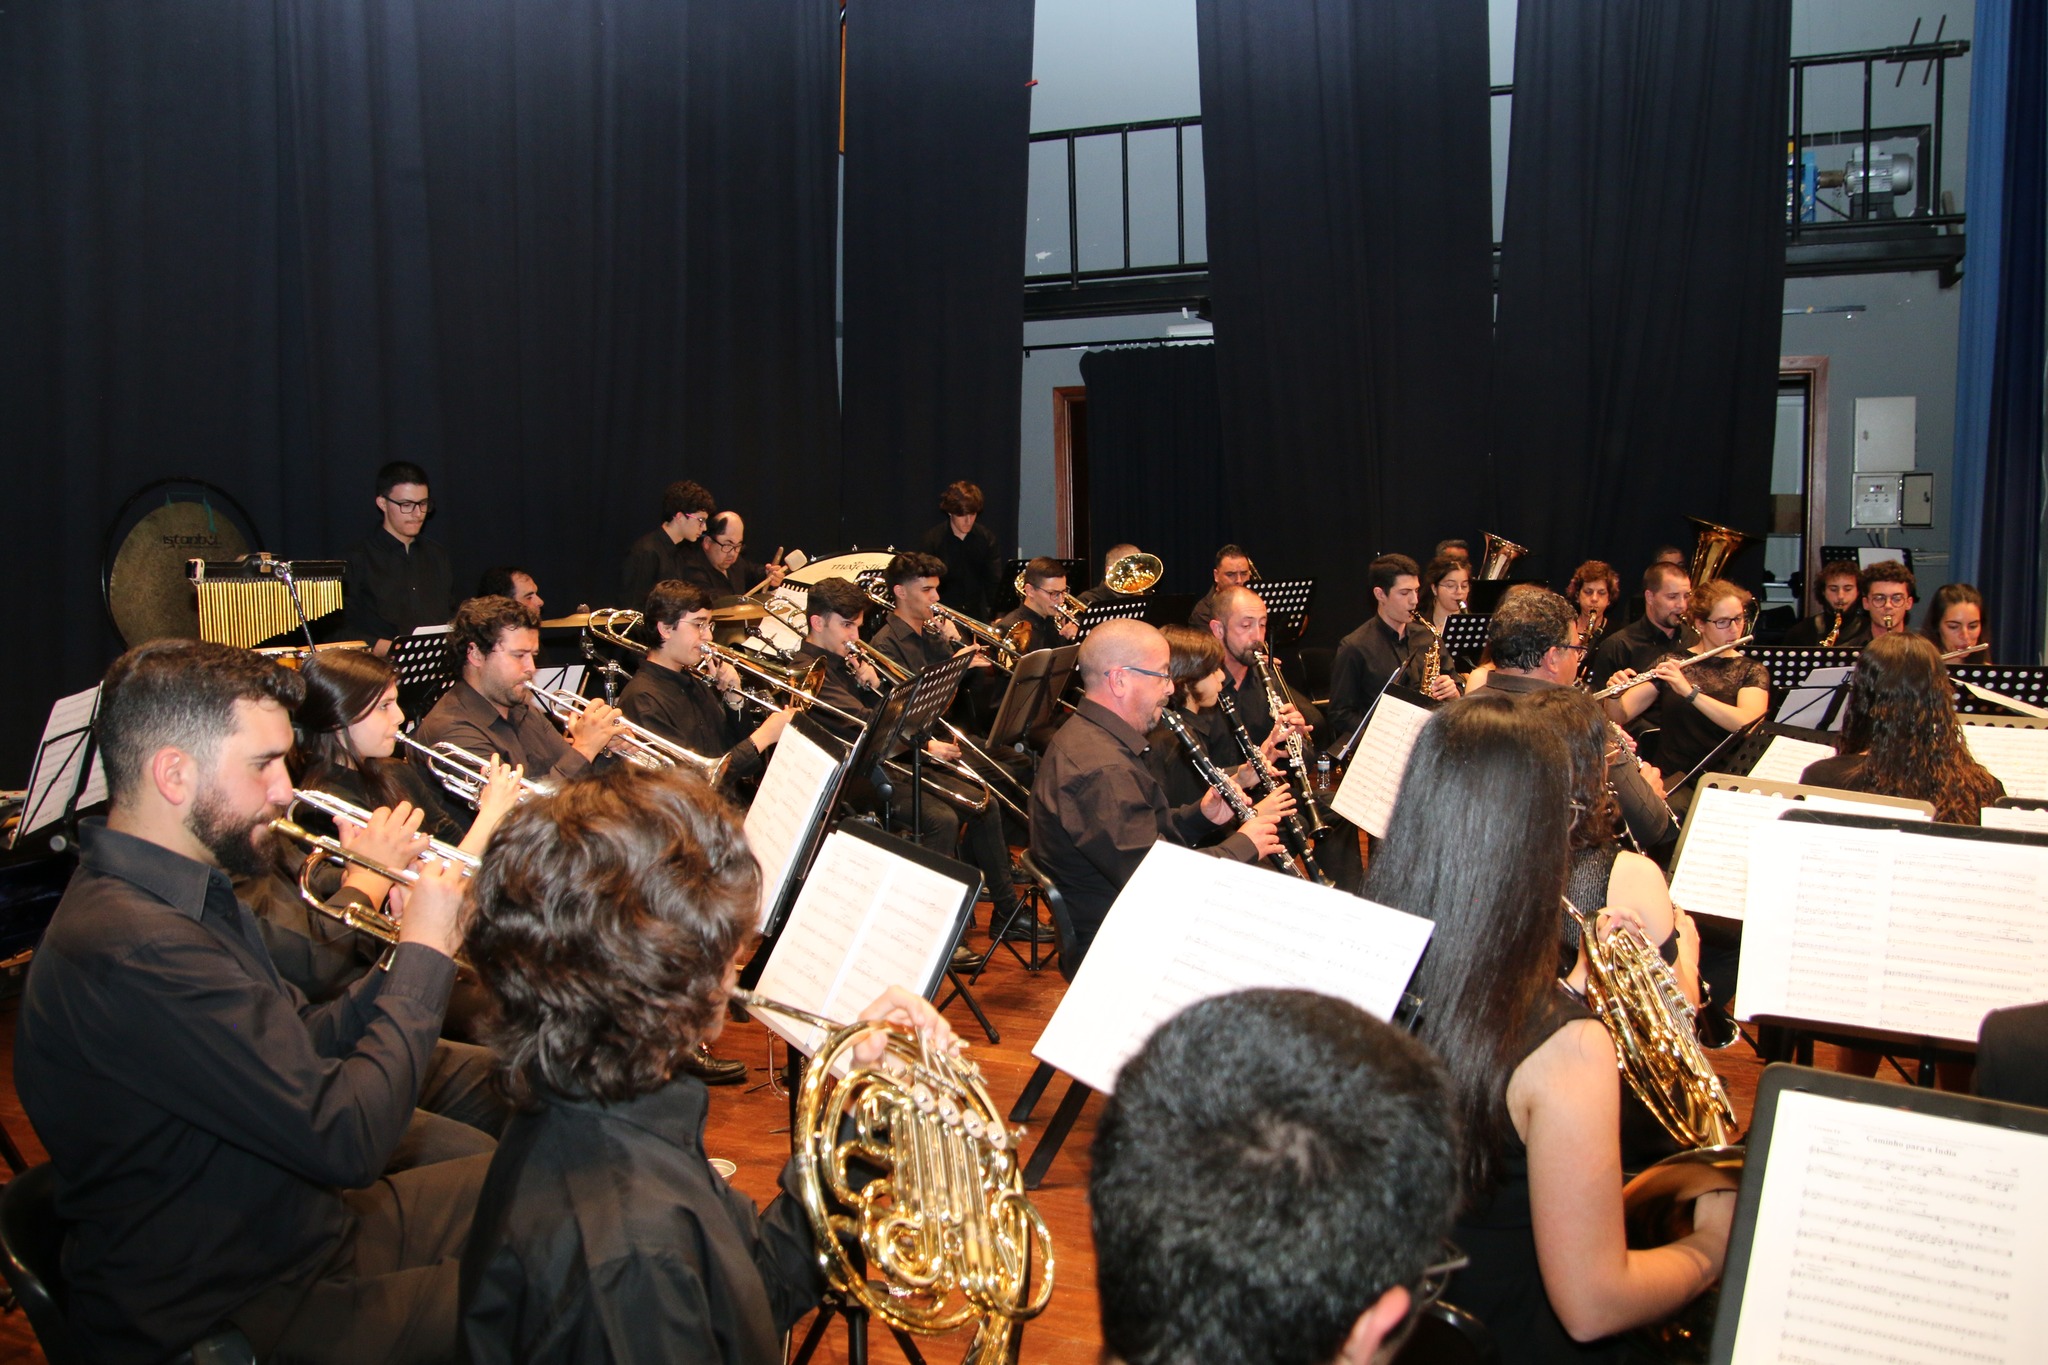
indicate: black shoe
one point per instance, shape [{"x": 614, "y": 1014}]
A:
[
  {"x": 965, "y": 960},
  {"x": 1025, "y": 929},
  {"x": 714, "y": 1070}
]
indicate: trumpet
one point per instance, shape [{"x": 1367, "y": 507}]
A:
[
  {"x": 947, "y": 1233},
  {"x": 1066, "y": 611},
  {"x": 636, "y": 743},
  {"x": 322, "y": 849},
  {"x": 1642, "y": 679},
  {"x": 1006, "y": 647},
  {"x": 337, "y": 809},
  {"x": 463, "y": 774}
]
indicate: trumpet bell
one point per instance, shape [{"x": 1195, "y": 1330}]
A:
[
  {"x": 1717, "y": 544},
  {"x": 1134, "y": 574},
  {"x": 1501, "y": 553}
]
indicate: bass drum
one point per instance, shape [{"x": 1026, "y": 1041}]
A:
[{"x": 779, "y": 628}]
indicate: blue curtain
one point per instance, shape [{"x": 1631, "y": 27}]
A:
[{"x": 1998, "y": 482}]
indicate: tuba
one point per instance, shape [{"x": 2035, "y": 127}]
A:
[
  {"x": 1716, "y": 546},
  {"x": 937, "y": 1204},
  {"x": 1501, "y": 553}
]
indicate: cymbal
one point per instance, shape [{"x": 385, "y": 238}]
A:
[
  {"x": 739, "y": 611},
  {"x": 576, "y": 622}
]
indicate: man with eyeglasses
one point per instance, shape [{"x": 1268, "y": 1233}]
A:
[
  {"x": 1097, "y": 808},
  {"x": 1272, "y": 1181},
  {"x": 686, "y": 508},
  {"x": 1533, "y": 637},
  {"x": 1889, "y": 590},
  {"x": 718, "y": 570},
  {"x": 1662, "y": 629},
  {"x": 397, "y": 579}
]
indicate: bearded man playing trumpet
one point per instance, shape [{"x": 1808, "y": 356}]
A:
[{"x": 669, "y": 695}]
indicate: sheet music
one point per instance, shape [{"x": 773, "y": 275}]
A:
[
  {"x": 1885, "y": 1234},
  {"x": 867, "y": 919},
  {"x": 2016, "y": 754},
  {"x": 2004, "y": 817},
  {"x": 1808, "y": 703},
  {"x": 2024, "y": 708},
  {"x": 1711, "y": 876},
  {"x": 1887, "y": 929},
  {"x": 1373, "y": 780},
  {"x": 65, "y": 737},
  {"x": 1188, "y": 927},
  {"x": 1785, "y": 758},
  {"x": 567, "y": 678},
  {"x": 795, "y": 787}
]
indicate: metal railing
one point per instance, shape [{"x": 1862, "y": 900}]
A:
[{"x": 1864, "y": 186}]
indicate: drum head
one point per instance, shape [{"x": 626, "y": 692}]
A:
[{"x": 155, "y": 532}]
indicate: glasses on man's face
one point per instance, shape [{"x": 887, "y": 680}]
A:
[
  {"x": 1724, "y": 622},
  {"x": 1578, "y": 648},
  {"x": 423, "y": 506},
  {"x": 1890, "y": 599},
  {"x": 733, "y": 545},
  {"x": 1148, "y": 672}
]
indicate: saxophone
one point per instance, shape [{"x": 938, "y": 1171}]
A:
[
  {"x": 1433, "y": 659},
  {"x": 1834, "y": 631}
]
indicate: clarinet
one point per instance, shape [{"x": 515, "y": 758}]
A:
[
  {"x": 1233, "y": 796},
  {"x": 1292, "y": 832},
  {"x": 1297, "y": 755}
]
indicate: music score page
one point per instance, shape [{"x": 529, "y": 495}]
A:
[
  {"x": 1785, "y": 758},
  {"x": 867, "y": 919},
  {"x": 1372, "y": 781},
  {"x": 793, "y": 791},
  {"x": 1885, "y": 929},
  {"x": 2017, "y": 755},
  {"x": 1711, "y": 876},
  {"x": 1890, "y": 1235},
  {"x": 1188, "y": 927}
]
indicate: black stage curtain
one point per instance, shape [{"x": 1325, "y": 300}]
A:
[
  {"x": 558, "y": 251},
  {"x": 1155, "y": 458},
  {"x": 1348, "y": 163},
  {"x": 1642, "y": 277},
  {"x": 2009, "y": 560},
  {"x": 938, "y": 111}
]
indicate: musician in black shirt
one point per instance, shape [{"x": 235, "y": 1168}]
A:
[
  {"x": 1388, "y": 644},
  {"x": 669, "y": 696},
  {"x": 221, "y": 1146},
  {"x": 1045, "y": 592},
  {"x": 510, "y": 580},
  {"x": 396, "y": 579},
  {"x": 1662, "y": 629},
  {"x": 973, "y": 559},
  {"x": 609, "y": 926},
  {"x": 1840, "y": 603},
  {"x": 686, "y": 508},
  {"x": 1233, "y": 569}
]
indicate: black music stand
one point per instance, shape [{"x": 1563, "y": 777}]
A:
[
  {"x": 1788, "y": 665},
  {"x": 1287, "y": 603},
  {"x": 1131, "y": 608},
  {"x": 424, "y": 667},
  {"x": 1036, "y": 686},
  {"x": 2022, "y": 682},
  {"x": 1465, "y": 633}
]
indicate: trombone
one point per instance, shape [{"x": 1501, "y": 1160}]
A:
[
  {"x": 1006, "y": 647},
  {"x": 1067, "y": 611},
  {"x": 896, "y": 673},
  {"x": 463, "y": 774},
  {"x": 636, "y": 743}
]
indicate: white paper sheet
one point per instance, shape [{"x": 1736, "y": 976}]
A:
[
  {"x": 2010, "y": 702},
  {"x": 2002, "y": 817},
  {"x": 1711, "y": 876},
  {"x": 1884, "y": 1234},
  {"x": 1785, "y": 758},
  {"x": 1887, "y": 929},
  {"x": 1808, "y": 703},
  {"x": 57, "y": 762},
  {"x": 1372, "y": 782},
  {"x": 867, "y": 919},
  {"x": 797, "y": 782},
  {"x": 1188, "y": 927},
  {"x": 2017, "y": 755}
]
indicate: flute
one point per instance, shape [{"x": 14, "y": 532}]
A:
[{"x": 1616, "y": 689}]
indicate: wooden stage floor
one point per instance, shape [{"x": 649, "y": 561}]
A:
[{"x": 746, "y": 1124}]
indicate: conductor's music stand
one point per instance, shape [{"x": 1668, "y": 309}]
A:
[{"x": 424, "y": 667}]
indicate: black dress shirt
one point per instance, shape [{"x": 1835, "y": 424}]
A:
[
  {"x": 1637, "y": 645},
  {"x": 1647, "y": 815},
  {"x": 650, "y": 560},
  {"x": 687, "y": 709},
  {"x": 1096, "y": 811},
  {"x": 463, "y": 718},
  {"x": 393, "y": 587},
  {"x": 199, "y": 1113},
  {"x": 915, "y": 649},
  {"x": 1366, "y": 659},
  {"x": 694, "y": 567},
  {"x": 1044, "y": 631},
  {"x": 603, "y": 1234},
  {"x": 974, "y": 568}
]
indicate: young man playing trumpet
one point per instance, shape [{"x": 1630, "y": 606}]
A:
[{"x": 669, "y": 695}]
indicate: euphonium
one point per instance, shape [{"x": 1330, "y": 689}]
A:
[
  {"x": 1134, "y": 573},
  {"x": 1717, "y": 545},
  {"x": 1500, "y": 554},
  {"x": 946, "y": 1233}
]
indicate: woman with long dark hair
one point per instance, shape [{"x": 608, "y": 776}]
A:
[
  {"x": 1901, "y": 737},
  {"x": 1955, "y": 623},
  {"x": 1480, "y": 844}
]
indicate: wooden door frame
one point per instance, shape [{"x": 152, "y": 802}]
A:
[
  {"x": 1814, "y": 370},
  {"x": 1064, "y": 399}
]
